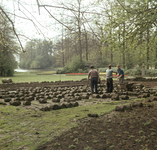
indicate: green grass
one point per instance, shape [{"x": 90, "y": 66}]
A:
[
  {"x": 40, "y": 78},
  {"x": 20, "y": 129},
  {"x": 44, "y": 76}
]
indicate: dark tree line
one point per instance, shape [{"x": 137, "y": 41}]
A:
[
  {"x": 8, "y": 47},
  {"x": 39, "y": 54}
]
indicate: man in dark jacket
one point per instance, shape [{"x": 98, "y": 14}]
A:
[
  {"x": 120, "y": 74},
  {"x": 94, "y": 79}
]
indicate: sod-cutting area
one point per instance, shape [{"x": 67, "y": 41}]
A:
[
  {"x": 69, "y": 117},
  {"x": 23, "y": 128},
  {"x": 131, "y": 130}
]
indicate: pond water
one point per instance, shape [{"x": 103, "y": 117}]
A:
[{"x": 32, "y": 70}]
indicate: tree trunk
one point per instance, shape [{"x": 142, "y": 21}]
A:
[
  {"x": 75, "y": 46},
  {"x": 148, "y": 47},
  {"x": 156, "y": 58},
  {"x": 86, "y": 46},
  {"x": 80, "y": 45},
  {"x": 68, "y": 49},
  {"x": 111, "y": 56},
  {"x": 86, "y": 39},
  {"x": 119, "y": 45},
  {"x": 101, "y": 43},
  {"x": 123, "y": 53},
  {"x": 62, "y": 49},
  {"x": 79, "y": 34},
  {"x": 100, "y": 49},
  {"x": 111, "y": 46},
  {"x": 111, "y": 38}
]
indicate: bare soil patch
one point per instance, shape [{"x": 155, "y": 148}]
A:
[{"x": 131, "y": 130}]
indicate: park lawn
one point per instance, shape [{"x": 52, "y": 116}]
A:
[
  {"x": 27, "y": 129},
  {"x": 40, "y": 78}
]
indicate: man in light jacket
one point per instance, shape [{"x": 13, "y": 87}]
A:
[{"x": 109, "y": 77}]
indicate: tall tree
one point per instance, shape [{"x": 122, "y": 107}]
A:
[{"x": 8, "y": 47}]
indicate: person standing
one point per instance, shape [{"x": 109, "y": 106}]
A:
[
  {"x": 109, "y": 77},
  {"x": 120, "y": 74},
  {"x": 94, "y": 79}
]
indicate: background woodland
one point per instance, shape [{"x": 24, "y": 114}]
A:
[{"x": 120, "y": 32}]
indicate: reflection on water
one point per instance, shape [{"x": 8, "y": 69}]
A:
[
  {"x": 31, "y": 70},
  {"x": 20, "y": 70}
]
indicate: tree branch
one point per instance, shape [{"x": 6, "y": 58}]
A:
[
  {"x": 38, "y": 6},
  {"x": 68, "y": 9},
  {"x": 56, "y": 19},
  {"x": 13, "y": 28},
  {"x": 123, "y": 7}
]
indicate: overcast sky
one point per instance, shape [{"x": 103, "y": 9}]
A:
[{"x": 43, "y": 25}]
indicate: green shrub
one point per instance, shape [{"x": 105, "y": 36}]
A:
[
  {"x": 75, "y": 64},
  {"x": 102, "y": 69},
  {"x": 8, "y": 64},
  {"x": 60, "y": 72},
  {"x": 129, "y": 64},
  {"x": 138, "y": 71},
  {"x": 80, "y": 71},
  {"x": 85, "y": 71},
  {"x": 151, "y": 72},
  {"x": 101, "y": 62},
  {"x": 133, "y": 72},
  {"x": 74, "y": 67}
]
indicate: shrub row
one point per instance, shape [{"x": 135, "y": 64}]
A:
[{"x": 148, "y": 72}]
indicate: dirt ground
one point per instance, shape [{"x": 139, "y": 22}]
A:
[
  {"x": 129, "y": 130},
  {"x": 132, "y": 130}
]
